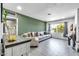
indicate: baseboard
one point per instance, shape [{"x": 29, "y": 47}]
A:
[
  {"x": 33, "y": 46},
  {"x": 60, "y": 38},
  {"x": 44, "y": 39}
]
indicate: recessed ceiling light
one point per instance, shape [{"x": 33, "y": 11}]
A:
[
  {"x": 49, "y": 13},
  {"x": 19, "y": 8}
]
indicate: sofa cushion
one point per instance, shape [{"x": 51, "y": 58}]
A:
[
  {"x": 33, "y": 33},
  {"x": 36, "y": 34},
  {"x": 45, "y": 33},
  {"x": 25, "y": 35},
  {"x": 42, "y": 33},
  {"x": 29, "y": 34}
]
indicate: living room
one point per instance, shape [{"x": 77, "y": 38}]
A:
[{"x": 28, "y": 27}]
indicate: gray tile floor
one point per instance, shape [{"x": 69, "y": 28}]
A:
[{"x": 53, "y": 47}]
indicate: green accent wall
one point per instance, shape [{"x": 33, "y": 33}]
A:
[{"x": 28, "y": 24}]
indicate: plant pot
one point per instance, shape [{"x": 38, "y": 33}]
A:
[{"x": 11, "y": 38}]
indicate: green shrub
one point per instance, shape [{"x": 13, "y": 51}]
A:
[{"x": 59, "y": 28}]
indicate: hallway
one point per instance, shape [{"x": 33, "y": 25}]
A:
[{"x": 53, "y": 47}]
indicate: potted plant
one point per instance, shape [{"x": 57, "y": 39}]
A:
[{"x": 9, "y": 37}]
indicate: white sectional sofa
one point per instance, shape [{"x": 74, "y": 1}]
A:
[
  {"x": 40, "y": 35},
  {"x": 44, "y": 37}
]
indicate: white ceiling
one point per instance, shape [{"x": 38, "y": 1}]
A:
[{"x": 40, "y": 10}]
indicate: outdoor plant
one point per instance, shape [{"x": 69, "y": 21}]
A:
[
  {"x": 59, "y": 28},
  {"x": 54, "y": 29},
  {"x": 5, "y": 14}
]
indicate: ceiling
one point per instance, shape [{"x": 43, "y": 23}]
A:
[{"x": 41, "y": 10}]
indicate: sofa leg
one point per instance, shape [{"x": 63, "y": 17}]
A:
[{"x": 33, "y": 46}]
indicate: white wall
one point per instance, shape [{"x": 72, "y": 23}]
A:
[
  {"x": 77, "y": 28},
  {"x": 1, "y": 26},
  {"x": 1, "y": 29},
  {"x": 0, "y": 35}
]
